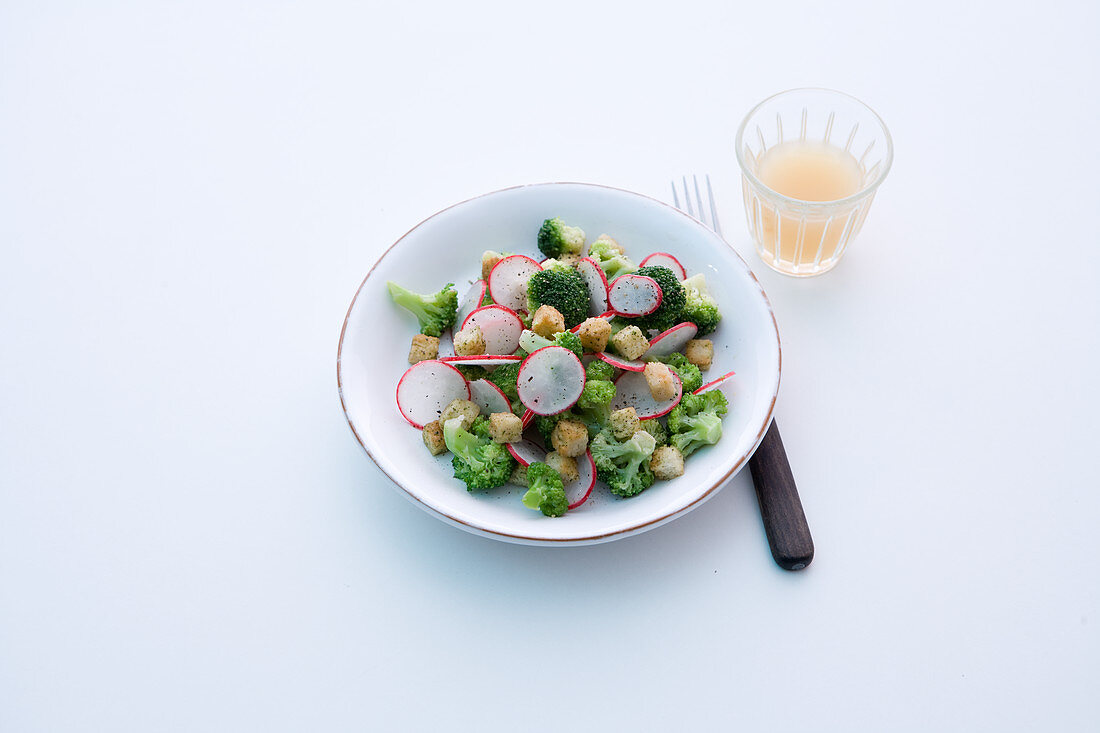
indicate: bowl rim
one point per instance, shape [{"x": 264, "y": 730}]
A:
[{"x": 590, "y": 538}]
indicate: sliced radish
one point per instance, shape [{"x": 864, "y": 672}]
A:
[
  {"x": 500, "y": 326},
  {"x": 550, "y": 380},
  {"x": 577, "y": 492},
  {"x": 527, "y": 452},
  {"x": 596, "y": 281},
  {"x": 627, "y": 365},
  {"x": 446, "y": 344},
  {"x": 711, "y": 385},
  {"x": 471, "y": 301},
  {"x": 664, "y": 259},
  {"x": 632, "y": 390},
  {"x": 482, "y": 360},
  {"x": 634, "y": 295},
  {"x": 526, "y": 418},
  {"x": 672, "y": 340},
  {"x": 425, "y": 390},
  {"x": 508, "y": 280},
  {"x": 489, "y": 397}
]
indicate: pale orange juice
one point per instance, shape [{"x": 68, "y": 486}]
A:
[{"x": 810, "y": 171}]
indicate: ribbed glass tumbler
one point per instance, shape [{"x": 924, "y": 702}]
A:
[{"x": 800, "y": 236}]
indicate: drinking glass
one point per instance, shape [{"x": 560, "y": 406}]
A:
[{"x": 806, "y": 238}]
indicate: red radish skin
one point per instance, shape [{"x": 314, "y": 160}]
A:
[
  {"x": 471, "y": 301},
  {"x": 627, "y": 365},
  {"x": 711, "y": 385},
  {"x": 632, "y": 390},
  {"x": 500, "y": 326},
  {"x": 527, "y": 452},
  {"x": 582, "y": 487},
  {"x": 425, "y": 390},
  {"x": 508, "y": 280},
  {"x": 634, "y": 295},
  {"x": 672, "y": 340},
  {"x": 526, "y": 419},
  {"x": 596, "y": 281},
  {"x": 550, "y": 380},
  {"x": 489, "y": 397},
  {"x": 664, "y": 259}
]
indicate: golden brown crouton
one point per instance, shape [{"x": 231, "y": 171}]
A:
[
  {"x": 630, "y": 342},
  {"x": 423, "y": 348},
  {"x": 564, "y": 465},
  {"x": 594, "y": 333},
  {"x": 504, "y": 427},
  {"x": 568, "y": 258},
  {"x": 461, "y": 408},
  {"x": 570, "y": 438},
  {"x": 700, "y": 352},
  {"x": 607, "y": 238},
  {"x": 667, "y": 462},
  {"x": 548, "y": 320},
  {"x": 624, "y": 423},
  {"x": 433, "y": 438},
  {"x": 662, "y": 385},
  {"x": 469, "y": 341},
  {"x": 489, "y": 260},
  {"x": 519, "y": 475}
]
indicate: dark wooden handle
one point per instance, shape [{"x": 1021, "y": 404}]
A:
[{"x": 784, "y": 521}]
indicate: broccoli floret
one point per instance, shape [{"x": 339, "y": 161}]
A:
[
  {"x": 697, "y": 421},
  {"x": 545, "y": 424},
  {"x": 689, "y": 374},
  {"x": 623, "y": 465},
  {"x": 506, "y": 377},
  {"x": 480, "y": 428},
  {"x": 435, "y": 312},
  {"x": 563, "y": 289},
  {"x": 594, "y": 405},
  {"x": 554, "y": 264},
  {"x": 472, "y": 373},
  {"x": 557, "y": 239},
  {"x": 546, "y": 492},
  {"x": 479, "y": 462},
  {"x": 486, "y": 299},
  {"x": 699, "y": 306},
  {"x": 611, "y": 261},
  {"x": 599, "y": 370},
  {"x": 618, "y": 323},
  {"x": 668, "y": 312},
  {"x": 654, "y": 427},
  {"x": 529, "y": 341}
]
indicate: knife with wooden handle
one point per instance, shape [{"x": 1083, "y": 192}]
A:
[{"x": 781, "y": 509}]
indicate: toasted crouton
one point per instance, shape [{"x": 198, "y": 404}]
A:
[
  {"x": 489, "y": 260},
  {"x": 423, "y": 348},
  {"x": 700, "y": 352},
  {"x": 469, "y": 341},
  {"x": 667, "y": 462},
  {"x": 433, "y": 438},
  {"x": 564, "y": 465},
  {"x": 594, "y": 333},
  {"x": 505, "y": 427},
  {"x": 461, "y": 408},
  {"x": 570, "y": 438},
  {"x": 519, "y": 475},
  {"x": 624, "y": 423},
  {"x": 547, "y": 321},
  {"x": 630, "y": 342},
  {"x": 568, "y": 258},
  {"x": 662, "y": 385}
]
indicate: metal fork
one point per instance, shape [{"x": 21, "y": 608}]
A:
[{"x": 780, "y": 507}]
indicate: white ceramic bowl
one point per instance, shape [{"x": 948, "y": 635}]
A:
[{"x": 447, "y": 247}]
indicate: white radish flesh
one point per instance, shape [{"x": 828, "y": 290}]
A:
[
  {"x": 550, "y": 380},
  {"x": 425, "y": 390},
  {"x": 577, "y": 492},
  {"x": 664, "y": 259},
  {"x": 596, "y": 281},
  {"x": 627, "y": 365},
  {"x": 632, "y": 390},
  {"x": 672, "y": 340},
  {"x": 634, "y": 295},
  {"x": 471, "y": 301},
  {"x": 500, "y": 326},
  {"x": 447, "y": 343},
  {"x": 508, "y": 281},
  {"x": 482, "y": 360},
  {"x": 488, "y": 397},
  {"x": 711, "y": 385},
  {"x": 527, "y": 452}
]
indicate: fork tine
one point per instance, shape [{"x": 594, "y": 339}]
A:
[
  {"x": 687, "y": 197},
  {"x": 699, "y": 201},
  {"x": 675, "y": 196},
  {"x": 713, "y": 210}
]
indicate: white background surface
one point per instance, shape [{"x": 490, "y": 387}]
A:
[{"x": 191, "y": 539}]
